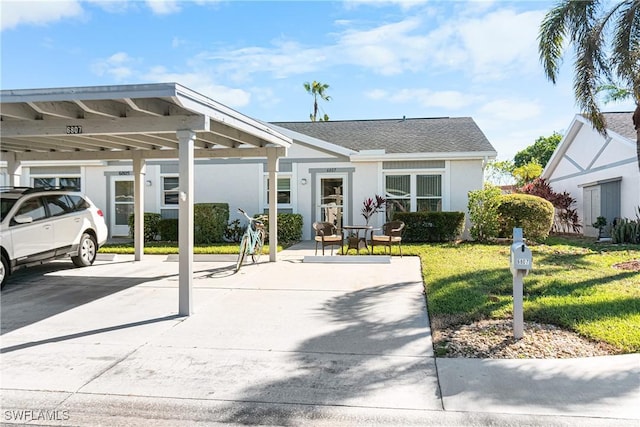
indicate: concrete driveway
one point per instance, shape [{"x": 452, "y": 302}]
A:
[
  {"x": 351, "y": 335},
  {"x": 287, "y": 343}
]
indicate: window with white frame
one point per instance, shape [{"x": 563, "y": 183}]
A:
[
  {"x": 71, "y": 182},
  {"x": 283, "y": 191},
  {"x": 170, "y": 190},
  {"x": 413, "y": 192}
]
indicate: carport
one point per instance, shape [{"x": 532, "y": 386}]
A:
[{"x": 138, "y": 123}]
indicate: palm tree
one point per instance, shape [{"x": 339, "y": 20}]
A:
[
  {"x": 607, "y": 50},
  {"x": 317, "y": 90}
]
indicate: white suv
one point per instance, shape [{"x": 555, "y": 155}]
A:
[{"x": 38, "y": 225}]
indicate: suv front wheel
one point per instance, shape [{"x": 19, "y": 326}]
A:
[
  {"x": 87, "y": 251},
  {"x": 4, "y": 271}
]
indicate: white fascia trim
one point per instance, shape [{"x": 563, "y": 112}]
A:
[
  {"x": 612, "y": 134},
  {"x": 471, "y": 155},
  {"x": 38, "y": 163},
  {"x": 179, "y": 94},
  {"x": 199, "y": 103},
  {"x": 575, "y": 126}
]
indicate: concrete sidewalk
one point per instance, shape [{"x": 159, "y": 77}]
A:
[{"x": 287, "y": 343}]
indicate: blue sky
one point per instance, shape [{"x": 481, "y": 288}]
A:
[{"x": 382, "y": 59}]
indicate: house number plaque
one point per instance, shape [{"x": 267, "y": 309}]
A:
[{"x": 74, "y": 130}]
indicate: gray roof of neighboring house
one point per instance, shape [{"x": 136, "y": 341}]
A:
[
  {"x": 421, "y": 135},
  {"x": 621, "y": 123}
]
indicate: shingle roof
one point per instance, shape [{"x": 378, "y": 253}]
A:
[
  {"x": 621, "y": 123},
  {"x": 419, "y": 135}
]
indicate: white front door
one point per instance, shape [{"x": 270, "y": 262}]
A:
[
  {"x": 122, "y": 202},
  {"x": 331, "y": 197},
  {"x": 591, "y": 208}
]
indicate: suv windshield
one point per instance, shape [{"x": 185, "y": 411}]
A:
[{"x": 5, "y": 207}]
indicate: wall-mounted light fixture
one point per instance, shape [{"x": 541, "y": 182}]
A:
[
  {"x": 148, "y": 183},
  {"x": 303, "y": 181}
]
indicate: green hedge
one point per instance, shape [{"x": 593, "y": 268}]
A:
[
  {"x": 209, "y": 222},
  {"x": 431, "y": 226},
  {"x": 169, "y": 229},
  {"x": 289, "y": 227},
  {"x": 151, "y": 230},
  {"x": 531, "y": 213}
]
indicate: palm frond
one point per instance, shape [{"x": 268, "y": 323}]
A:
[
  {"x": 571, "y": 18},
  {"x": 626, "y": 45},
  {"x": 587, "y": 78},
  {"x": 551, "y": 38}
]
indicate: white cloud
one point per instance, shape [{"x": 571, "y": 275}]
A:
[
  {"x": 511, "y": 110},
  {"x": 501, "y": 42},
  {"x": 403, "y": 4},
  {"x": 388, "y": 49},
  {"x": 451, "y": 100},
  {"x": 178, "y": 42},
  {"x": 284, "y": 59},
  {"x": 119, "y": 66},
  {"x": 164, "y": 7},
  {"x": 488, "y": 46},
  {"x": 40, "y": 12},
  {"x": 446, "y": 99},
  {"x": 201, "y": 82},
  {"x": 377, "y": 94}
]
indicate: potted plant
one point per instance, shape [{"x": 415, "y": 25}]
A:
[
  {"x": 600, "y": 223},
  {"x": 372, "y": 206}
]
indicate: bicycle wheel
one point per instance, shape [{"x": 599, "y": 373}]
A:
[
  {"x": 244, "y": 246},
  {"x": 257, "y": 250}
]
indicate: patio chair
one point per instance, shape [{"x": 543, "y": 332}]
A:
[
  {"x": 391, "y": 235},
  {"x": 327, "y": 235}
]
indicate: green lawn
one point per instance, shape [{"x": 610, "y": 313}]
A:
[{"x": 573, "y": 285}]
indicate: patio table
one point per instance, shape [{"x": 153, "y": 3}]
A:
[{"x": 354, "y": 240}]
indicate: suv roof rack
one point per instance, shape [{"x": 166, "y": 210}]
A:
[
  {"x": 51, "y": 188},
  {"x": 29, "y": 190},
  {"x": 13, "y": 189}
]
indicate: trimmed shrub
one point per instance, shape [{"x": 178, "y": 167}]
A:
[
  {"x": 209, "y": 222},
  {"x": 531, "y": 213},
  {"x": 483, "y": 212},
  {"x": 151, "y": 229},
  {"x": 168, "y": 228},
  {"x": 289, "y": 227},
  {"x": 566, "y": 218},
  {"x": 626, "y": 231},
  {"x": 431, "y": 226}
]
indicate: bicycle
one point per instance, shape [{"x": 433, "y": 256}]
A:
[{"x": 252, "y": 240}]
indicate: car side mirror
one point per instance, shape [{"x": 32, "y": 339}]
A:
[{"x": 23, "y": 219}]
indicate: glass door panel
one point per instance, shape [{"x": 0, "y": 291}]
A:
[
  {"x": 123, "y": 206},
  {"x": 331, "y": 194}
]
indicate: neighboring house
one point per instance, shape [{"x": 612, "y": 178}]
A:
[
  {"x": 600, "y": 172},
  {"x": 329, "y": 170}
]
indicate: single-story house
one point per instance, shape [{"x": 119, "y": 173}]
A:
[
  {"x": 328, "y": 171},
  {"x": 600, "y": 172}
]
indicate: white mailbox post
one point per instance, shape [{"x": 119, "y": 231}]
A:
[{"x": 521, "y": 263}]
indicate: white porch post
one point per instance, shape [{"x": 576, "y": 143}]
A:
[
  {"x": 186, "y": 140},
  {"x": 272, "y": 167},
  {"x": 139, "y": 172},
  {"x": 14, "y": 169}
]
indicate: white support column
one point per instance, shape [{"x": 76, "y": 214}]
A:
[
  {"x": 139, "y": 172},
  {"x": 186, "y": 140},
  {"x": 14, "y": 169},
  {"x": 273, "y": 167}
]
